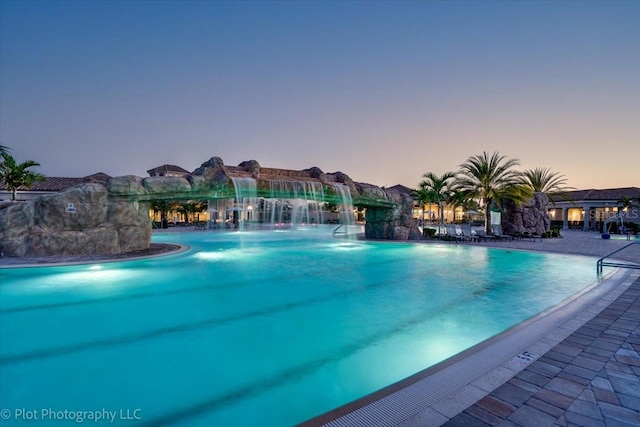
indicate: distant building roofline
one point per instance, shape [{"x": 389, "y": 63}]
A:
[{"x": 167, "y": 169}]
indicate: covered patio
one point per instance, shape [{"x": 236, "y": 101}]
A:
[{"x": 589, "y": 209}]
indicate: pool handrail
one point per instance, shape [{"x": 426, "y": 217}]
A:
[
  {"x": 601, "y": 262},
  {"x": 338, "y": 228}
]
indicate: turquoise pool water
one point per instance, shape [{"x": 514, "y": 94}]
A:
[{"x": 256, "y": 328}]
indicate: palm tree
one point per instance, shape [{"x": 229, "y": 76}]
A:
[
  {"x": 543, "y": 180},
  {"x": 190, "y": 207},
  {"x": 438, "y": 189},
  {"x": 492, "y": 179},
  {"x": 423, "y": 197},
  {"x": 626, "y": 202},
  {"x": 3, "y": 150},
  {"x": 162, "y": 206},
  {"x": 458, "y": 198},
  {"x": 15, "y": 174}
]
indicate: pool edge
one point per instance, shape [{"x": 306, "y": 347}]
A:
[{"x": 447, "y": 388}]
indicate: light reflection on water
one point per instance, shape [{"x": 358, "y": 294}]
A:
[{"x": 244, "y": 321}]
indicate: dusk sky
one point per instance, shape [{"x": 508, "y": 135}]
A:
[{"x": 382, "y": 91}]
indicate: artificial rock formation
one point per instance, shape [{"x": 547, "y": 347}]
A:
[
  {"x": 386, "y": 223},
  {"x": 79, "y": 221},
  {"x": 531, "y": 217},
  {"x": 114, "y": 218}
]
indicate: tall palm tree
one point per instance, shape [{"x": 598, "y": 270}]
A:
[
  {"x": 438, "y": 188},
  {"x": 543, "y": 180},
  {"x": 492, "y": 179},
  {"x": 15, "y": 174},
  {"x": 423, "y": 196}
]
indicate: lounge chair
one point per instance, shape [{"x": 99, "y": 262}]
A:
[
  {"x": 451, "y": 234},
  {"x": 468, "y": 234},
  {"x": 531, "y": 236},
  {"x": 497, "y": 232},
  {"x": 482, "y": 235}
]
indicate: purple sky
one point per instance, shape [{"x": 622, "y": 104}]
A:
[{"x": 383, "y": 91}]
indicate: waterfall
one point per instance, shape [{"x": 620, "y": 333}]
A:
[
  {"x": 246, "y": 201},
  {"x": 295, "y": 202},
  {"x": 345, "y": 208}
]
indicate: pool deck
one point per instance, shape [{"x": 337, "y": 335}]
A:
[
  {"x": 577, "y": 364},
  {"x": 590, "y": 378}
]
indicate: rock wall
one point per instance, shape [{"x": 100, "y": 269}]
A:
[
  {"x": 78, "y": 221},
  {"x": 390, "y": 224},
  {"x": 96, "y": 219},
  {"x": 532, "y": 217}
]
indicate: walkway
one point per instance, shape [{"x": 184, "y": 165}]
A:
[
  {"x": 587, "y": 243},
  {"x": 592, "y": 378}
]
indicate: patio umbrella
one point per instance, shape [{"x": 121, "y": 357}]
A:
[{"x": 471, "y": 213}]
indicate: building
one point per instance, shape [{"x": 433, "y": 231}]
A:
[
  {"x": 168, "y": 170},
  {"x": 51, "y": 185},
  {"x": 589, "y": 209}
]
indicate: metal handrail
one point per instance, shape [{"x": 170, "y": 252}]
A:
[
  {"x": 338, "y": 228},
  {"x": 600, "y": 263},
  {"x": 614, "y": 218}
]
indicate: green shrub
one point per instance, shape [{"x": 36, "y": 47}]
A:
[{"x": 429, "y": 232}]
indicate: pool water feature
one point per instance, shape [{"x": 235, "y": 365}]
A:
[
  {"x": 302, "y": 200},
  {"x": 271, "y": 333}
]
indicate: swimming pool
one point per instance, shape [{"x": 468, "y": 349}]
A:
[{"x": 257, "y": 328}]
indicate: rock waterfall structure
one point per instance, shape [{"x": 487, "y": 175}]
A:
[{"x": 114, "y": 218}]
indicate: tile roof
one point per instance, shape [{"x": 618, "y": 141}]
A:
[
  {"x": 606, "y": 194},
  {"x": 54, "y": 183},
  {"x": 167, "y": 168}
]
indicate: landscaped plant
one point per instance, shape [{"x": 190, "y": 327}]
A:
[
  {"x": 15, "y": 174},
  {"x": 492, "y": 179},
  {"x": 436, "y": 189},
  {"x": 543, "y": 180}
]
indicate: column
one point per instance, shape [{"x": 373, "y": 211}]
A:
[{"x": 587, "y": 217}]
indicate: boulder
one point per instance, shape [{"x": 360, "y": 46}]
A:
[
  {"x": 391, "y": 224},
  {"x": 126, "y": 185},
  {"x": 531, "y": 217},
  {"x": 82, "y": 220},
  {"x": 166, "y": 185}
]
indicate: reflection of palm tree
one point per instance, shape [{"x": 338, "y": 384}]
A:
[
  {"x": 15, "y": 174},
  {"x": 492, "y": 179},
  {"x": 437, "y": 189}
]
